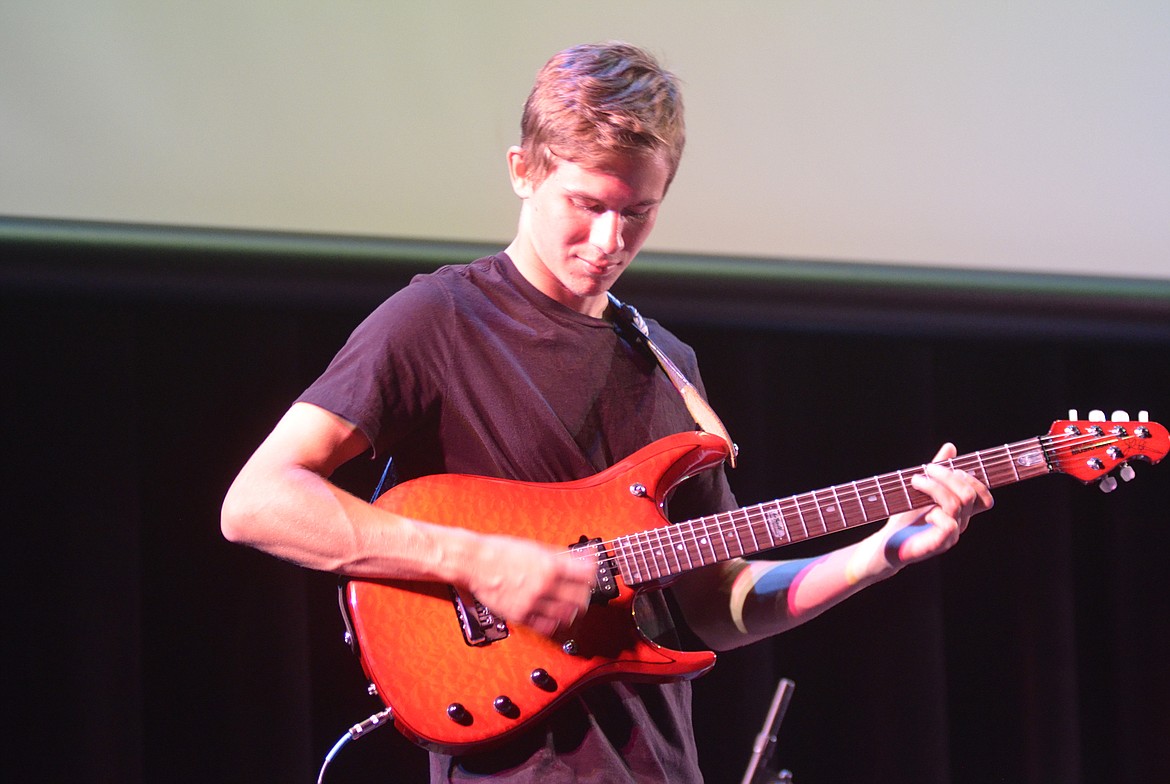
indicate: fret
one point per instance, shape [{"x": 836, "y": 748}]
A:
[
  {"x": 646, "y": 552},
  {"x": 1011, "y": 461},
  {"x": 684, "y": 542},
  {"x": 806, "y": 517},
  {"x": 852, "y": 512},
  {"x": 873, "y": 500},
  {"x": 983, "y": 469},
  {"x": 776, "y": 525},
  {"x": 799, "y": 506},
  {"x": 695, "y": 542},
  {"x": 705, "y": 539},
  {"x": 779, "y": 528},
  {"x": 731, "y": 541},
  {"x": 678, "y": 541},
  {"x": 721, "y": 530},
  {"x": 841, "y": 516},
  {"x": 988, "y": 467},
  {"x": 831, "y": 512},
  {"x": 669, "y": 549},
  {"x": 818, "y": 522},
  {"x": 861, "y": 514},
  {"x": 794, "y": 504},
  {"x": 905, "y": 486},
  {"x": 639, "y": 562},
  {"x": 667, "y": 555},
  {"x": 820, "y": 510},
  {"x": 710, "y": 537},
  {"x": 741, "y": 524},
  {"x": 748, "y": 543},
  {"x": 628, "y": 561},
  {"x": 699, "y": 543},
  {"x": 752, "y": 530},
  {"x": 659, "y": 551}
]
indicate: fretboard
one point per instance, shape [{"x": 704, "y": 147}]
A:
[{"x": 674, "y": 549}]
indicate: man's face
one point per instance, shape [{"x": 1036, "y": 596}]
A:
[{"x": 580, "y": 228}]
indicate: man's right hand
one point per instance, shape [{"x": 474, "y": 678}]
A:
[{"x": 531, "y": 583}]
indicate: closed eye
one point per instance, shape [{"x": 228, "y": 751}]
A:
[{"x": 636, "y": 214}]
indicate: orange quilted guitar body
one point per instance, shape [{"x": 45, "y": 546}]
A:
[{"x": 446, "y": 693}]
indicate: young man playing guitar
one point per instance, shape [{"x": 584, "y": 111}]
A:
[{"x": 511, "y": 367}]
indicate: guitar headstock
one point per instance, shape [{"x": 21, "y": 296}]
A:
[{"x": 1091, "y": 449}]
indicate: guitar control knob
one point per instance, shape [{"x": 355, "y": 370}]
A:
[
  {"x": 458, "y": 714},
  {"x": 542, "y": 680},
  {"x": 505, "y": 707},
  {"x": 570, "y": 647}
]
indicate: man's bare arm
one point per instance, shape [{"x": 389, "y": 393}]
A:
[{"x": 282, "y": 502}]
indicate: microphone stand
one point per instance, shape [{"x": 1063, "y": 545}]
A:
[{"x": 765, "y": 743}]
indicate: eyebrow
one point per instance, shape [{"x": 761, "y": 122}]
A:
[{"x": 579, "y": 194}]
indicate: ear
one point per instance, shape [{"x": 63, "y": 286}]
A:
[{"x": 518, "y": 173}]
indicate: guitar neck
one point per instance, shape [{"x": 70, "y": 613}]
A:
[{"x": 665, "y": 552}]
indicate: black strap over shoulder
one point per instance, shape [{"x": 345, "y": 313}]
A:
[{"x": 704, "y": 416}]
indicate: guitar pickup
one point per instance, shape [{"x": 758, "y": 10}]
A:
[
  {"x": 605, "y": 587},
  {"x": 480, "y": 626}
]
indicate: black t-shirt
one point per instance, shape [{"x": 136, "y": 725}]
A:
[{"x": 472, "y": 370}]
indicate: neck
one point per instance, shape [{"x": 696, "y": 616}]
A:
[{"x": 533, "y": 270}]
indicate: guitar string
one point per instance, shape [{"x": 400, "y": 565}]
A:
[
  {"x": 746, "y": 521},
  {"x": 996, "y": 463},
  {"x": 691, "y": 537}
]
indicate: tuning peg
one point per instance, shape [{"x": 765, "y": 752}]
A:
[
  {"x": 1096, "y": 415},
  {"x": 1126, "y": 472},
  {"x": 1107, "y": 484}
]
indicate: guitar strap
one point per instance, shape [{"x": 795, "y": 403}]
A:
[{"x": 701, "y": 411}]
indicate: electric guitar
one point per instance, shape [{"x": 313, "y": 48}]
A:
[{"x": 457, "y": 678}]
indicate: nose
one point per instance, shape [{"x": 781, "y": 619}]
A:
[{"x": 606, "y": 232}]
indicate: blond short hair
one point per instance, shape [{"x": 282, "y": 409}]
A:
[{"x": 594, "y": 103}]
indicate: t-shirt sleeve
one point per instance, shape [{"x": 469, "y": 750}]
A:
[{"x": 387, "y": 378}]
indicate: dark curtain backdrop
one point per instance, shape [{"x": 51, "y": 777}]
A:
[{"x": 142, "y": 647}]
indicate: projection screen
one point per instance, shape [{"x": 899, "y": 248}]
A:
[{"x": 1025, "y": 136}]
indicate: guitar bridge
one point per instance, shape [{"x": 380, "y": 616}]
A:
[
  {"x": 480, "y": 626},
  {"x": 605, "y": 587}
]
